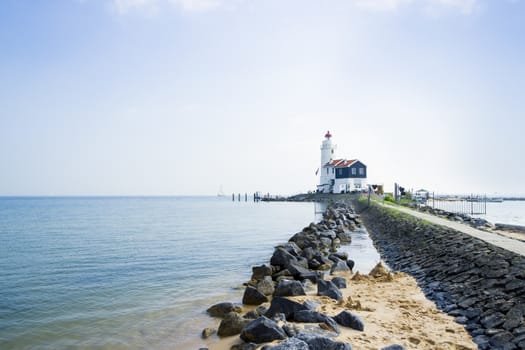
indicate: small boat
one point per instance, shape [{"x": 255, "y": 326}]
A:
[{"x": 221, "y": 192}]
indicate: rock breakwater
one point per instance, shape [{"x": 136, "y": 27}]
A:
[
  {"x": 481, "y": 285},
  {"x": 296, "y": 266},
  {"x": 317, "y": 302}
]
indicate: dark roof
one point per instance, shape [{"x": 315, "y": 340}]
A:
[{"x": 341, "y": 163}]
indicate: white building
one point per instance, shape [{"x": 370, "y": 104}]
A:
[{"x": 339, "y": 175}]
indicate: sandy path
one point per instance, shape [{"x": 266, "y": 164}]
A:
[{"x": 394, "y": 310}]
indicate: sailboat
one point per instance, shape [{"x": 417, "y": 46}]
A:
[{"x": 221, "y": 192}]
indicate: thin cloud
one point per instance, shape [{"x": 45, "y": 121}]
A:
[
  {"x": 151, "y": 7},
  {"x": 196, "y": 5},
  {"x": 126, "y": 6},
  {"x": 428, "y": 6}
]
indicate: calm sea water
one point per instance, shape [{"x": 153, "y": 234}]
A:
[
  {"x": 132, "y": 272},
  {"x": 506, "y": 212}
]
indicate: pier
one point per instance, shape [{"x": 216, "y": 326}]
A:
[{"x": 256, "y": 197}]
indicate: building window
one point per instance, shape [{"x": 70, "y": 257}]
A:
[
  {"x": 361, "y": 171},
  {"x": 339, "y": 171},
  {"x": 353, "y": 171},
  {"x": 327, "y": 171},
  {"x": 333, "y": 169}
]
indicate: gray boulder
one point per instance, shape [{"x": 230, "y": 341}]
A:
[
  {"x": 316, "y": 317},
  {"x": 293, "y": 249},
  {"x": 244, "y": 346},
  {"x": 348, "y": 319},
  {"x": 232, "y": 324},
  {"x": 253, "y": 297},
  {"x": 281, "y": 257},
  {"x": 285, "y": 306},
  {"x": 316, "y": 342},
  {"x": 222, "y": 309},
  {"x": 287, "y": 288},
  {"x": 259, "y": 272},
  {"x": 338, "y": 255},
  {"x": 290, "y": 344},
  {"x": 329, "y": 289},
  {"x": 339, "y": 265},
  {"x": 262, "y": 330},
  {"x": 308, "y": 253},
  {"x": 340, "y": 282},
  {"x": 394, "y": 347},
  {"x": 265, "y": 286},
  {"x": 301, "y": 273},
  {"x": 258, "y": 312}
]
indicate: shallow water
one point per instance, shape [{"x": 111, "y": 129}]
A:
[{"x": 133, "y": 272}]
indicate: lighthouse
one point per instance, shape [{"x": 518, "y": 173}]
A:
[
  {"x": 327, "y": 154},
  {"x": 339, "y": 175}
]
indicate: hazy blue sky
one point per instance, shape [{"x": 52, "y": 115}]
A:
[{"x": 168, "y": 97}]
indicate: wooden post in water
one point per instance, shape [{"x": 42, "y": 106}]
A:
[
  {"x": 233, "y": 197},
  {"x": 245, "y": 197},
  {"x": 239, "y": 197}
]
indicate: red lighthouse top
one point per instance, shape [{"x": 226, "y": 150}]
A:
[{"x": 328, "y": 135}]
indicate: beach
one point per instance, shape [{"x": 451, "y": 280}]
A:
[{"x": 393, "y": 309}]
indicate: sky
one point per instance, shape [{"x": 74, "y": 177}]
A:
[{"x": 184, "y": 97}]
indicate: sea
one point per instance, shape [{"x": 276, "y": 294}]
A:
[
  {"x": 139, "y": 272},
  {"x": 135, "y": 272}
]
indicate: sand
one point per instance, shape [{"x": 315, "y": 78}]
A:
[{"x": 394, "y": 310}]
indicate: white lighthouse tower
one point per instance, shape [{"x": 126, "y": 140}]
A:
[{"x": 327, "y": 155}]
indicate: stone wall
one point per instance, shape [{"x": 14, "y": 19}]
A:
[{"x": 481, "y": 285}]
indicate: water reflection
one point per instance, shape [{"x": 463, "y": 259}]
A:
[{"x": 362, "y": 251}]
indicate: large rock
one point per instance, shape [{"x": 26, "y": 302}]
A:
[
  {"x": 513, "y": 318},
  {"x": 308, "y": 253},
  {"x": 348, "y": 319},
  {"x": 259, "y": 272},
  {"x": 328, "y": 234},
  {"x": 344, "y": 236},
  {"x": 253, "y": 297},
  {"x": 290, "y": 344},
  {"x": 301, "y": 273},
  {"x": 305, "y": 240},
  {"x": 339, "y": 265},
  {"x": 338, "y": 255},
  {"x": 289, "y": 288},
  {"x": 316, "y": 317},
  {"x": 493, "y": 320},
  {"x": 244, "y": 346},
  {"x": 232, "y": 324},
  {"x": 285, "y": 306},
  {"x": 257, "y": 312},
  {"x": 262, "y": 330},
  {"x": 265, "y": 286},
  {"x": 293, "y": 249},
  {"x": 329, "y": 289},
  {"x": 281, "y": 257},
  {"x": 222, "y": 309},
  {"x": 340, "y": 282},
  {"x": 316, "y": 342},
  {"x": 502, "y": 340}
]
